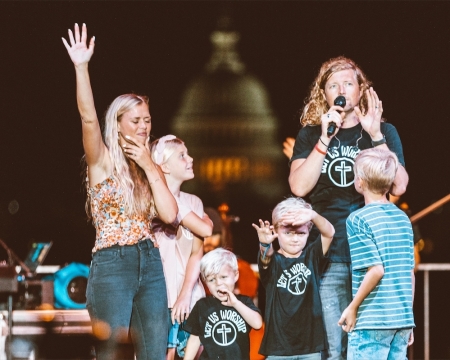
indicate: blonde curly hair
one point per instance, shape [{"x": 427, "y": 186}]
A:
[{"x": 316, "y": 105}]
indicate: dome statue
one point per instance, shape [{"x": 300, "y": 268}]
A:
[{"x": 229, "y": 128}]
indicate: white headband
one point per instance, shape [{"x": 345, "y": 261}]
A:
[{"x": 161, "y": 146}]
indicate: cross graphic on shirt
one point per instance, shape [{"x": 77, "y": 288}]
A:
[
  {"x": 224, "y": 330},
  {"x": 344, "y": 170},
  {"x": 297, "y": 281}
]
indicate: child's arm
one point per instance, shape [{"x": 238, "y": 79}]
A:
[
  {"x": 413, "y": 278},
  {"x": 303, "y": 216},
  {"x": 371, "y": 279},
  {"x": 252, "y": 317},
  {"x": 326, "y": 230},
  {"x": 181, "y": 308},
  {"x": 201, "y": 226},
  {"x": 266, "y": 236},
  {"x": 192, "y": 347}
]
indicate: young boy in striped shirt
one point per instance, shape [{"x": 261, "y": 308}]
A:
[{"x": 380, "y": 319}]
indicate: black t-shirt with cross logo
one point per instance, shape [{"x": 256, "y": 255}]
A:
[
  {"x": 334, "y": 196},
  {"x": 294, "y": 322},
  {"x": 223, "y": 332}
]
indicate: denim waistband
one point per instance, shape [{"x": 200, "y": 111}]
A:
[{"x": 141, "y": 245}]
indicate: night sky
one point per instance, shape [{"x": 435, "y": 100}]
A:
[{"x": 157, "y": 48}]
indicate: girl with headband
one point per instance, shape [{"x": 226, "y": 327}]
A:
[
  {"x": 126, "y": 291},
  {"x": 181, "y": 243}
]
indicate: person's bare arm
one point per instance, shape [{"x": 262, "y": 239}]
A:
[
  {"x": 303, "y": 216},
  {"x": 192, "y": 347},
  {"x": 164, "y": 201},
  {"x": 371, "y": 123},
  {"x": 181, "y": 308},
  {"x": 400, "y": 182},
  {"x": 200, "y": 226},
  {"x": 413, "y": 279},
  {"x": 96, "y": 153},
  {"x": 252, "y": 317},
  {"x": 305, "y": 173},
  {"x": 326, "y": 231},
  {"x": 371, "y": 279},
  {"x": 266, "y": 236}
]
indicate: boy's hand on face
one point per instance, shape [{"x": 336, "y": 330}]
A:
[
  {"x": 231, "y": 298},
  {"x": 299, "y": 217},
  {"x": 265, "y": 232}
]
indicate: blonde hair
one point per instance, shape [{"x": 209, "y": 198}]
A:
[
  {"x": 290, "y": 204},
  {"x": 377, "y": 168},
  {"x": 212, "y": 262},
  {"x": 133, "y": 182},
  {"x": 316, "y": 105},
  {"x": 162, "y": 149}
]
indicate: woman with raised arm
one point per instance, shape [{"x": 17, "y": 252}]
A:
[{"x": 126, "y": 190}]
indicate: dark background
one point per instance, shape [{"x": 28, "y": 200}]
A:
[{"x": 157, "y": 48}]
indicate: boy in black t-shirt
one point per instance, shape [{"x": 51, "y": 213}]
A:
[
  {"x": 291, "y": 276},
  {"x": 221, "y": 322}
]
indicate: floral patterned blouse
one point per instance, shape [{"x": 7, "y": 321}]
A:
[{"x": 113, "y": 226}]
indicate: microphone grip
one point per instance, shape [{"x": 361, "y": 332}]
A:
[{"x": 331, "y": 129}]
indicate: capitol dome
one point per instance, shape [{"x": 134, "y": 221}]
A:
[{"x": 228, "y": 125}]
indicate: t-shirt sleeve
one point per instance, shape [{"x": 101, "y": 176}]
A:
[
  {"x": 303, "y": 144},
  {"x": 187, "y": 203},
  {"x": 249, "y": 303},
  {"x": 411, "y": 253},
  {"x": 196, "y": 205},
  {"x": 264, "y": 274},
  {"x": 192, "y": 324},
  {"x": 317, "y": 252},
  {"x": 363, "y": 250},
  {"x": 393, "y": 141}
]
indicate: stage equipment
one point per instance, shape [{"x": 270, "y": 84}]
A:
[
  {"x": 32, "y": 289},
  {"x": 8, "y": 279},
  {"x": 70, "y": 286},
  {"x": 427, "y": 210}
]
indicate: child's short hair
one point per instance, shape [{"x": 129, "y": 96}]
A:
[
  {"x": 377, "y": 168},
  {"x": 290, "y": 204},
  {"x": 213, "y": 261}
]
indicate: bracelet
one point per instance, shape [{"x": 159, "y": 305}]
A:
[
  {"x": 320, "y": 151},
  {"x": 152, "y": 182},
  {"x": 267, "y": 247},
  {"x": 379, "y": 142},
  {"x": 323, "y": 143}
]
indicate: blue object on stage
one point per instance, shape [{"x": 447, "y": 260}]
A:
[{"x": 70, "y": 286}]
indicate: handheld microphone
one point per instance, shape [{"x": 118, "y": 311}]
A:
[{"x": 339, "y": 101}]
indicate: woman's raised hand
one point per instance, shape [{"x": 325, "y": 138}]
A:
[{"x": 78, "y": 50}]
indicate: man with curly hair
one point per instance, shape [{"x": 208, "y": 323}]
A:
[{"x": 322, "y": 169}]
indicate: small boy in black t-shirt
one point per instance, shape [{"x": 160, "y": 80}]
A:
[
  {"x": 291, "y": 276},
  {"x": 221, "y": 322}
]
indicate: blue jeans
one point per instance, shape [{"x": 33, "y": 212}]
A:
[
  {"x": 127, "y": 291},
  {"x": 336, "y": 295},
  {"x": 378, "y": 344},
  {"x": 313, "y": 356}
]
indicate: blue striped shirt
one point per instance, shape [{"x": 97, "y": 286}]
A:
[{"x": 381, "y": 234}]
